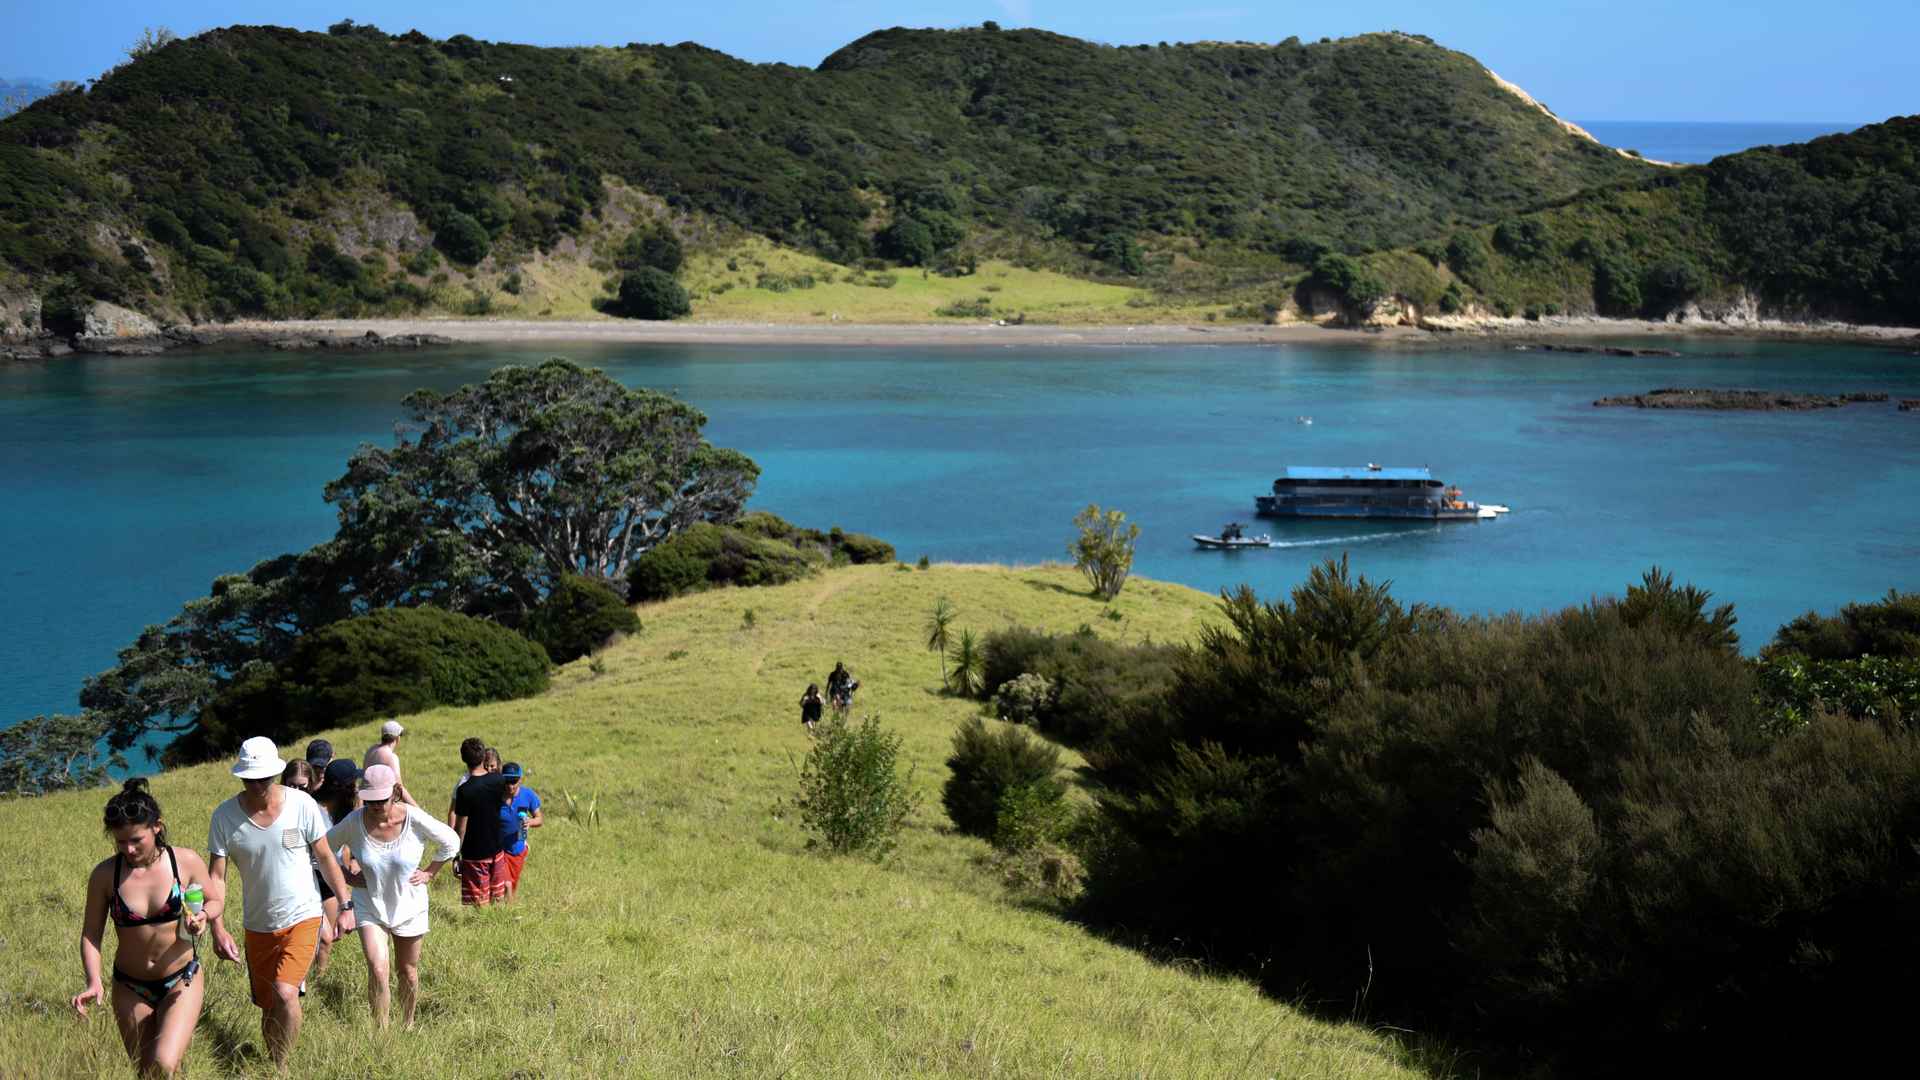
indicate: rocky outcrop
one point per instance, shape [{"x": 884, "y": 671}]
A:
[
  {"x": 19, "y": 316},
  {"x": 110, "y": 328},
  {"x": 1746, "y": 400}
]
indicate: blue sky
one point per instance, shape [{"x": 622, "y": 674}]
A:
[{"x": 1844, "y": 60}]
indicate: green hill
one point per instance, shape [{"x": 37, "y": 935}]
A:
[
  {"x": 688, "y": 931},
  {"x": 262, "y": 171}
]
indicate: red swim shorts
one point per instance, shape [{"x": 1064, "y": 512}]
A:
[
  {"x": 482, "y": 881},
  {"x": 282, "y": 956}
]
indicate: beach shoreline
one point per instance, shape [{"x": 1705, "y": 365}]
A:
[{"x": 415, "y": 332}]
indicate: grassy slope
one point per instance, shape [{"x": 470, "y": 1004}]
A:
[{"x": 690, "y": 932}]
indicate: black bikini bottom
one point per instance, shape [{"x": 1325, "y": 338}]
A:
[{"x": 154, "y": 991}]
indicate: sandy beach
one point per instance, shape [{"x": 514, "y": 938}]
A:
[{"x": 980, "y": 334}]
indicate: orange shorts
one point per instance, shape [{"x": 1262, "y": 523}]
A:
[
  {"x": 515, "y": 864},
  {"x": 282, "y": 956}
]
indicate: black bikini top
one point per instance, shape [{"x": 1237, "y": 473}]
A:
[{"x": 117, "y": 907}]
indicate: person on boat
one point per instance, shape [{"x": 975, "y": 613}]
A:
[
  {"x": 157, "y": 991},
  {"x": 388, "y": 838}
]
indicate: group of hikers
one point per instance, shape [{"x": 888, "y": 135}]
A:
[
  {"x": 840, "y": 687},
  {"x": 324, "y": 848}
]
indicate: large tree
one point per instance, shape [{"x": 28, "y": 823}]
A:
[
  {"x": 490, "y": 495},
  {"x": 496, "y": 490}
]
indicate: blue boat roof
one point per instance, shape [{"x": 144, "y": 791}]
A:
[{"x": 1351, "y": 472}]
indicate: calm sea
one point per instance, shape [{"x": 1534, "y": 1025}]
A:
[
  {"x": 129, "y": 483},
  {"x": 1697, "y": 143}
]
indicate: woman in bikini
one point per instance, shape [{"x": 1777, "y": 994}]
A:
[{"x": 157, "y": 991}]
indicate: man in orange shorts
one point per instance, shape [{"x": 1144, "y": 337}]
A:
[
  {"x": 270, "y": 830},
  {"x": 483, "y": 857}
]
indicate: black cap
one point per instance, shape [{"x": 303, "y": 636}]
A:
[
  {"x": 341, "y": 772},
  {"x": 319, "y": 752}
]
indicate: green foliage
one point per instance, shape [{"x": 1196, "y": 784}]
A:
[
  {"x": 53, "y": 753},
  {"x": 1120, "y": 251},
  {"x": 1025, "y": 699},
  {"x": 1670, "y": 285},
  {"x": 1358, "y": 288},
  {"x": 967, "y": 677},
  {"x": 940, "y": 632},
  {"x": 852, "y": 796},
  {"x": 966, "y": 132},
  {"x": 388, "y": 663},
  {"x": 464, "y": 240},
  {"x": 1888, "y": 627},
  {"x": 1031, "y": 816},
  {"x": 655, "y": 245},
  {"x": 1885, "y": 689},
  {"x": 577, "y": 617},
  {"x": 648, "y": 293},
  {"x": 987, "y": 765},
  {"x": 1683, "y": 611},
  {"x": 706, "y": 556},
  {"x": 1616, "y": 285},
  {"x": 1094, "y": 687},
  {"x": 1103, "y": 550},
  {"x": 978, "y": 308},
  {"x": 1524, "y": 238}
]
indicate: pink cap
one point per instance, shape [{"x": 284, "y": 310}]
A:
[{"x": 376, "y": 784}]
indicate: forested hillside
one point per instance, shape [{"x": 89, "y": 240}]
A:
[{"x": 263, "y": 171}]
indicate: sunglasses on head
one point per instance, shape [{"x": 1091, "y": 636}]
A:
[{"x": 120, "y": 815}]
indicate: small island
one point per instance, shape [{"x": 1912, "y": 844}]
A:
[{"x": 1746, "y": 400}]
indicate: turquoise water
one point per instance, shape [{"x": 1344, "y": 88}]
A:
[
  {"x": 1693, "y": 143},
  {"x": 128, "y": 483}
]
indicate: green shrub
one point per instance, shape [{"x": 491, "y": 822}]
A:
[
  {"x": 1888, "y": 627},
  {"x": 1358, "y": 287},
  {"x": 705, "y": 556},
  {"x": 987, "y": 764},
  {"x": 464, "y": 240},
  {"x": 1879, "y": 688},
  {"x": 1023, "y": 700},
  {"x": 648, "y": 293},
  {"x": 862, "y": 549},
  {"x": 655, "y": 245},
  {"x": 1120, "y": 251},
  {"x": 388, "y": 663},
  {"x": 852, "y": 796},
  {"x": 1029, "y": 815},
  {"x": 1093, "y": 686},
  {"x": 577, "y": 617}
]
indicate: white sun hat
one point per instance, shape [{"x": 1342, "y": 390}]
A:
[
  {"x": 392, "y": 729},
  {"x": 258, "y": 758}
]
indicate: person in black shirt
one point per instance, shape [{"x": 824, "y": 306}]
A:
[
  {"x": 811, "y": 703},
  {"x": 840, "y": 687},
  {"x": 483, "y": 854}
]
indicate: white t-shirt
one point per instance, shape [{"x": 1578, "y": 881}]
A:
[
  {"x": 387, "y": 898},
  {"x": 276, "y": 870}
]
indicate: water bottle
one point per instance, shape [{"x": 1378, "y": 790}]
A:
[{"x": 196, "y": 899}]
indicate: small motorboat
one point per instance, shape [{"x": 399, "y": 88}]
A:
[{"x": 1232, "y": 537}]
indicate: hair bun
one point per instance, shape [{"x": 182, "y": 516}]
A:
[{"x": 137, "y": 783}]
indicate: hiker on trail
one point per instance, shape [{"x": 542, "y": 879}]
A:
[
  {"x": 840, "y": 686},
  {"x": 338, "y": 795},
  {"x": 519, "y": 813},
  {"x": 473, "y": 754},
  {"x": 811, "y": 705},
  {"x": 319, "y": 753},
  {"x": 483, "y": 856},
  {"x": 269, "y": 831},
  {"x": 300, "y": 776},
  {"x": 157, "y": 991},
  {"x": 387, "y": 838},
  {"x": 387, "y": 752}
]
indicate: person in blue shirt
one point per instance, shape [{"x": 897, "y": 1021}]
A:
[{"x": 519, "y": 813}]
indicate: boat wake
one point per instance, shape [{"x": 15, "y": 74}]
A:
[{"x": 1362, "y": 538}]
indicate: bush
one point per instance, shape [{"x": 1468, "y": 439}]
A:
[
  {"x": 705, "y": 556},
  {"x": 388, "y": 663},
  {"x": 987, "y": 765},
  {"x": 655, "y": 245},
  {"x": 1121, "y": 252},
  {"x": 852, "y": 798},
  {"x": 1103, "y": 549},
  {"x": 577, "y": 617},
  {"x": 1670, "y": 285},
  {"x": 1889, "y": 627},
  {"x": 464, "y": 240},
  {"x": 1358, "y": 287},
  {"x": 648, "y": 293},
  {"x": 862, "y": 549},
  {"x": 1023, "y": 700}
]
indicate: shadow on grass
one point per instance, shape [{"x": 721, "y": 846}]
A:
[
  {"x": 229, "y": 1042},
  {"x": 1054, "y": 586}
]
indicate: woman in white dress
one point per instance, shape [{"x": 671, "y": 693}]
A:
[{"x": 388, "y": 838}]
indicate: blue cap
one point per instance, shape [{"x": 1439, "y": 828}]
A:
[
  {"x": 511, "y": 770},
  {"x": 341, "y": 772}
]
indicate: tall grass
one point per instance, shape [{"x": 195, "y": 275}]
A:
[{"x": 672, "y": 922}]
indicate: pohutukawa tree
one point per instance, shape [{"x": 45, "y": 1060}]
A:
[{"x": 499, "y": 488}]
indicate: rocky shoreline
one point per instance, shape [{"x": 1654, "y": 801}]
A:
[{"x": 1737, "y": 400}]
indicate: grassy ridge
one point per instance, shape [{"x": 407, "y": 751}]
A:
[{"x": 690, "y": 932}]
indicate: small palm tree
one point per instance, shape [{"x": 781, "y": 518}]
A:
[
  {"x": 969, "y": 666},
  {"x": 940, "y": 632}
]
